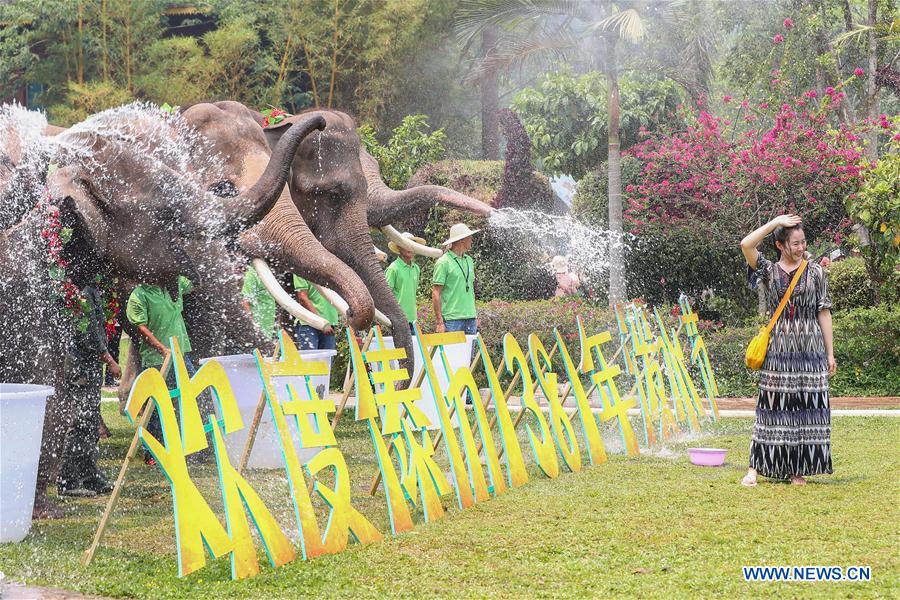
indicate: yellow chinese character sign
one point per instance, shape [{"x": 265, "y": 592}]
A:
[{"x": 562, "y": 401}]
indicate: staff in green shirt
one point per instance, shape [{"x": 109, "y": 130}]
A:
[
  {"x": 157, "y": 316},
  {"x": 403, "y": 277},
  {"x": 258, "y": 302},
  {"x": 307, "y": 336},
  {"x": 453, "y": 284}
]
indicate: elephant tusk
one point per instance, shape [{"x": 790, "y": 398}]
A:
[
  {"x": 284, "y": 299},
  {"x": 410, "y": 245},
  {"x": 381, "y": 254},
  {"x": 341, "y": 305}
]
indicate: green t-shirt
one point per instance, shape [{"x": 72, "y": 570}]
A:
[
  {"x": 457, "y": 275},
  {"x": 262, "y": 304},
  {"x": 152, "y": 306},
  {"x": 323, "y": 306},
  {"x": 403, "y": 280}
]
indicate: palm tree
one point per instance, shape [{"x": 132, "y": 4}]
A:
[{"x": 563, "y": 27}]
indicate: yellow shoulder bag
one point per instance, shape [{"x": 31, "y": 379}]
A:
[{"x": 756, "y": 351}]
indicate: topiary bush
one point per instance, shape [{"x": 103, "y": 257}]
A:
[
  {"x": 506, "y": 268},
  {"x": 849, "y": 285}
]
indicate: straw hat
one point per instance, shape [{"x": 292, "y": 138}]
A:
[
  {"x": 560, "y": 264},
  {"x": 460, "y": 231},
  {"x": 393, "y": 247}
]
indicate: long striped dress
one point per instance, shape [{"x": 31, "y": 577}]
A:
[{"x": 792, "y": 433}]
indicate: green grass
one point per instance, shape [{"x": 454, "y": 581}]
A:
[{"x": 653, "y": 526}]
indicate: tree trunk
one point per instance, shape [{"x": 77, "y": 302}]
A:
[
  {"x": 616, "y": 251},
  {"x": 490, "y": 98},
  {"x": 80, "y": 55},
  {"x": 104, "y": 16},
  {"x": 871, "y": 87},
  {"x": 334, "y": 53}
]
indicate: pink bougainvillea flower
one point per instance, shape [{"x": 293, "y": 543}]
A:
[
  {"x": 764, "y": 105},
  {"x": 829, "y": 90},
  {"x": 811, "y": 94},
  {"x": 858, "y": 72},
  {"x": 726, "y": 98},
  {"x": 788, "y": 24},
  {"x": 778, "y": 39}
]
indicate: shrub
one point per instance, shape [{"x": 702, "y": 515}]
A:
[
  {"x": 591, "y": 201},
  {"x": 866, "y": 351},
  {"x": 849, "y": 285}
]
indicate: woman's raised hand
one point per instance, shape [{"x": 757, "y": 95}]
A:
[{"x": 787, "y": 221}]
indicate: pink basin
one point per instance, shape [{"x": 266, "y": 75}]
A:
[{"x": 707, "y": 457}]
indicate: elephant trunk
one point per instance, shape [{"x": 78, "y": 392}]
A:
[
  {"x": 386, "y": 206},
  {"x": 249, "y": 208},
  {"x": 356, "y": 250},
  {"x": 284, "y": 241}
]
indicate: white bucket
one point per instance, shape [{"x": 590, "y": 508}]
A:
[
  {"x": 244, "y": 378},
  {"x": 458, "y": 356},
  {"x": 21, "y": 427}
]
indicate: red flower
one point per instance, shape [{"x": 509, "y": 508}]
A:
[
  {"x": 858, "y": 72},
  {"x": 777, "y": 39},
  {"x": 788, "y": 24}
]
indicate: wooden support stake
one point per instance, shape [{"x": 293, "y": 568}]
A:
[
  {"x": 88, "y": 555},
  {"x": 521, "y": 414},
  {"x": 254, "y": 425},
  {"x": 348, "y": 382},
  {"x": 472, "y": 367}
]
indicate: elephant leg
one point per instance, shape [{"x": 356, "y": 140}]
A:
[{"x": 57, "y": 418}]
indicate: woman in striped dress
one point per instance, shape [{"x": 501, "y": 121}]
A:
[{"x": 792, "y": 433}]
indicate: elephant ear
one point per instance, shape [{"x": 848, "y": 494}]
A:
[{"x": 68, "y": 190}]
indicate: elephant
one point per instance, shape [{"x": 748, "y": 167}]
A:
[
  {"x": 24, "y": 155},
  {"x": 130, "y": 195},
  {"x": 337, "y": 187}
]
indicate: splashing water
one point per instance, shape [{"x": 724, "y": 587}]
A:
[
  {"x": 119, "y": 155},
  {"x": 24, "y": 153},
  {"x": 587, "y": 247}
]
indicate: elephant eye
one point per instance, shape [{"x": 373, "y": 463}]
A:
[{"x": 224, "y": 189}]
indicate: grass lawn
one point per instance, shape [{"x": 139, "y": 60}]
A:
[{"x": 653, "y": 526}]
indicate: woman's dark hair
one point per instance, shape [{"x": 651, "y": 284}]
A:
[{"x": 783, "y": 234}]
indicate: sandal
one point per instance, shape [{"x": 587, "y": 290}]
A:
[{"x": 748, "y": 480}]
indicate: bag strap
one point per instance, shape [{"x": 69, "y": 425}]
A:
[{"x": 787, "y": 296}]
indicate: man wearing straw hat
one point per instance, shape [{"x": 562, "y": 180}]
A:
[
  {"x": 403, "y": 277},
  {"x": 453, "y": 284}
]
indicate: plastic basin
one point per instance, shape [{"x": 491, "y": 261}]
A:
[
  {"x": 244, "y": 378},
  {"x": 707, "y": 457},
  {"x": 21, "y": 427}
]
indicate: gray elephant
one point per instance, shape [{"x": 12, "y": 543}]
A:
[
  {"x": 123, "y": 187},
  {"x": 337, "y": 187}
]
